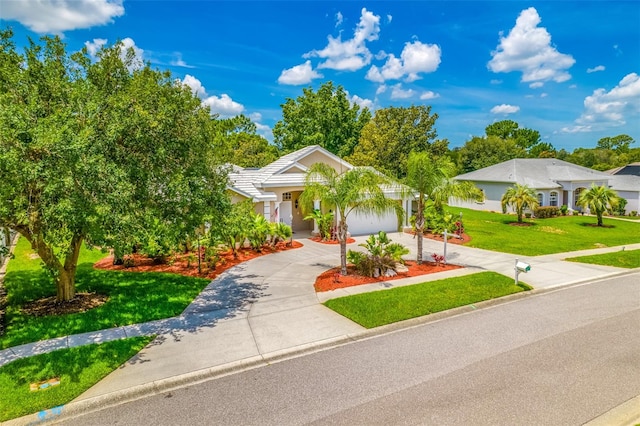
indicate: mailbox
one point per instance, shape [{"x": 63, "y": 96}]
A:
[{"x": 523, "y": 267}]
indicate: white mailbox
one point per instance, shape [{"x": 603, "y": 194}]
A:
[{"x": 523, "y": 267}]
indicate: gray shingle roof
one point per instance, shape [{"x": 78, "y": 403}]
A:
[
  {"x": 537, "y": 173},
  {"x": 625, "y": 182}
]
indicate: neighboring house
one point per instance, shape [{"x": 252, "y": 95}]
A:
[
  {"x": 275, "y": 190},
  {"x": 555, "y": 182},
  {"x": 626, "y": 182}
]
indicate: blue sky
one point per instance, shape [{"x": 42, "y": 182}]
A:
[{"x": 567, "y": 69}]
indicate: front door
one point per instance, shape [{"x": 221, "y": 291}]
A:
[{"x": 285, "y": 212}]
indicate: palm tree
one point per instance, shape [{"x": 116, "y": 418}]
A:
[
  {"x": 520, "y": 197},
  {"x": 432, "y": 179},
  {"x": 599, "y": 199},
  {"x": 357, "y": 189}
]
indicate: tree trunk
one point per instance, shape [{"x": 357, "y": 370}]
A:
[
  {"x": 7, "y": 237},
  {"x": 599, "y": 215},
  {"x": 342, "y": 238},
  {"x": 420, "y": 228},
  {"x": 65, "y": 285}
]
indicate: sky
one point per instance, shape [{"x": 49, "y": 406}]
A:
[{"x": 569, "y": 69}]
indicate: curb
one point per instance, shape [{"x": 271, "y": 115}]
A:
[
  {"x": 80, "y": 407},
  {"x": 625, "y": 414}
]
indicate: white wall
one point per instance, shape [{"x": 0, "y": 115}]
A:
[{"x": 360, "y": 224}]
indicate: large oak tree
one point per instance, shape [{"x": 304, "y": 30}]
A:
[{"x": 96, "y": 150}]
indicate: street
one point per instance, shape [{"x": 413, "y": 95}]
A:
[{"x": 558, "y": 358}]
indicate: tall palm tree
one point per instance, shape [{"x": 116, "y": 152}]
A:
[
  {"x": 520, "y": 197},
  {"x": 432, "y": 179},
  {"x": 358, "y": 189},
  {"x": 599, "y": 199}
]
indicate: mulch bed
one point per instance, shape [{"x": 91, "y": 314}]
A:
[
  {"x": 50, "y": 306},
  {"x": 452, "y": 239},
  {"x": 320, "y": 240},
  {"x": 332, "y": 280}
]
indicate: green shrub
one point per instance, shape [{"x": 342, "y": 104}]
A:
[
  {"x": 564, "y": 209},
  {"x": 546, "y": 212},
  {"x": 633, "y": 213},
  {"x": 383, "y": 255},
  {"x": 620, "y": 208}
]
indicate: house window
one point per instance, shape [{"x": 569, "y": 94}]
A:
[
  {"x": 576, "y": 195},
  {"x": 286, "y": 196},
  {"x": 553, "y": 199},
  {"x": 540, "y": 199}
]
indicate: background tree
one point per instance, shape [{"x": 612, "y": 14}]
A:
[
  {"x": 480, "y": 152},
  {"x": 519, "y": 197},
  {"x": 358, "y": 189},
  {"x": 393, "y": 133},
  {"x": 528, "y": 139},
  {"x": 431, "y": 178},
  {"x": 326, "y": 118},
  {"x": 599, "y": 199},
  {"x": 619, "y": 143},
  {"x": 238, "y": 143},
  {"x": 92, "y": 151}
]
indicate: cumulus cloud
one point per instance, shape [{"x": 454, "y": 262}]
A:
[
  {"x": 596, "y": 69},
  {"x": 300, "y": 74},
  {"x": 57, "y": 16},
  {"x": 352, "y": 54},
  {"x": 222, "y": 105},
  {"x": 416, "y": 58},
  {"x": 536, "y": 85},
  {"x": 381, "y": 89},
  {"x": 429, "y": 95},
  {"x": 505, "y": 109},
  {"x": 137, "y": 60},
  {"x": 609, "y": 109},
  {"x": 339, "y": 19},
  {"x": 364, "y": 103},
  {"x": 397, "y": 92},
  {"x": 95, "y": 45},
  {"x": 528, "y": 49}
]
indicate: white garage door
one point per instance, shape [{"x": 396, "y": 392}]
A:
[{"x": 360, "y": 224}]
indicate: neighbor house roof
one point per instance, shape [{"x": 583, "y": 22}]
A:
[
  {"x": 537, "y": 173},
  {"x": 629, "y": 169},
  {"x": 625, "y": 183}
]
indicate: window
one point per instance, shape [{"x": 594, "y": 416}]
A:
[
  {"x": 553, "y": 199},
  {"x": 286, "y": 196},
  {"x": 540, "y": 199},
  {"x": 576, "y": 195}
]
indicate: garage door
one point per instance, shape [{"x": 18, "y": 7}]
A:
[{"x": 360, "y": 224}]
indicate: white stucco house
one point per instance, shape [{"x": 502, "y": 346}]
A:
[
  {"x": 626, "y": 182},
  {"x": 275, "y": 189},
  {"x": 555, "y": 182}
]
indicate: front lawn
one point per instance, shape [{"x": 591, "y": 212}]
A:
[
  {"x": 621, "y": 259},
  {"x": 493, "y": 231},
  {"x": 388, "y": 306},
  {"x": 76, "y": 368},
  {"x": 133, "y": 297}
]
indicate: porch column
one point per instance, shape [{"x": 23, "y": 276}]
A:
[
  {"x": 316, "y": 206},
  {"x": 570, "y": 199},
  {"x": 266, "y": 212}
]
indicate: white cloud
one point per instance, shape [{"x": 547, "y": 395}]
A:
[
  {"x": 381, "y": 89},
  {"x": 364, "y": 103},
  {"x": 573, "y": 86},
  {"x": 416, "y": 57},
  {"x": 339, "y": 19},
  {"x": 389, "y": 19},
  {"x": 429, "y": 95},
  {"x": 300, "y": 74},
  {"x": 137, "y": 60},
  {"x": 57, "y": 16},
  {"x": 536, "y": 85},
  {"x": 576, "y": 129},
  {"x": 610, "y": 109},
  {"x": 352, "y": 54},
  {"x": 544, "y": 95},
  {"x": 179, "y": 62},
  {"x": 495, "y": 81},
  {"x": 505, "y": 109},
  {"x": 528, "y": 49},
  {"x": 596, "y": 69},
  {"x": 95, "y": 45},
  {"x": 397, "y": 92},
  {"x": 222, "y": 105}
]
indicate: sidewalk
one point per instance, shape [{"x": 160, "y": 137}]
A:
[{"x": 266, "y": 309}]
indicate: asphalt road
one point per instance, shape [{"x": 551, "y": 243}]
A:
[{"x": 560, "y": 358}]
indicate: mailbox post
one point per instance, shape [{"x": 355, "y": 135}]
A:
[{"x": 521, "y": 267}]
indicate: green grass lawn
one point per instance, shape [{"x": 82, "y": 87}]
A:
[
  {"x": 621, "y": 259},
  {"x": 491, "y": 231},
  {"x": 133, "y": 297},
  {"x": 388, "y": 306},
  {"x": 77, "y": 368}
]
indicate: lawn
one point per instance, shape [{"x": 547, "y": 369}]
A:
[
  {"x": 133, "y": 297},
  {"x": 77, "y": 369},
  {"x": 388, "y": 306},
  {"x": 621, "y": 259},
  {"x": 492, "y": 231}
]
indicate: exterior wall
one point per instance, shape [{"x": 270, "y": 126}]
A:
[
  {"x": 237, "y": 198},
  {"x": 318, "y": 157},
  {"x": 633, "y": 200},
  {"x": 493, "y": 192}
]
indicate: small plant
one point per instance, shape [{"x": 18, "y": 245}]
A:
[
  {"x": 191, "y": 257},
  {"x": 324, "y": 222},
  {"x": 129, "y": 262},
  {"x": 564, "y": 209},
  {"x": 438, "y": 259},
  {"x": 546, "y": 212},
  {"x": 382, "y": 257},
  {"x": 633, "y": 213},
  {"x": 620, "y": 208}
]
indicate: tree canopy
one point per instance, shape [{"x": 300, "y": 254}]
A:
[
  {"x": 486, "y": 151},
  {"x": 237, "y": 142},
  {"x": 326, "y": 118},
  {"x": 393, "y": 133},
  {"x": 97, "y": 150},
  {"x": 519, "y": 197},
  {"x": 598, "y": 199}
]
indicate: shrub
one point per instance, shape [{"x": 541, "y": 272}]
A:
[
  {"x": 382, "y": 256},
  {"x": 324, "y": 222},
  {"x": 633, "y": 213},
  {"x": 620, "y": 208},
  {"x": 563, "y": 209},
  {"x": 546, "y": 212}
]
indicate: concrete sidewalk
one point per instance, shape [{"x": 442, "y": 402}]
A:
[{"x": 267, "y": 308}]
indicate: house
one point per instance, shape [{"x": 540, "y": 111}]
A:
[
  {"x": 626, "y": 182},
  {"x": 555, "y": 182},
  {"x": 275, "y": 189}
]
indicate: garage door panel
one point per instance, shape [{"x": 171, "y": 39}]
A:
[{"x": 361, "y": 224}]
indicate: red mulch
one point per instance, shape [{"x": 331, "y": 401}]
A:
[
  {"x": 144, "y": 264},
  {"x": 331, "y": 279},
  {"x": 320, "y": 240},
  {"x": 452, "y": 239}
]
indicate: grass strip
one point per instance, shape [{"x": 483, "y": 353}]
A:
[
  {"x": 134, "y": 297},
  {"x": 388, "y": 306},
  {"x": 621, "y": 259},
  {"x": 77, "y": 368}
]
